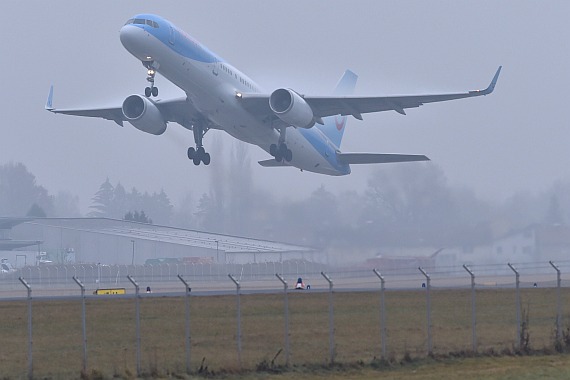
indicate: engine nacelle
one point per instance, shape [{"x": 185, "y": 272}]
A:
[
  {"x": 291, "y": 108},
  {"x": 144, "y": 115}
]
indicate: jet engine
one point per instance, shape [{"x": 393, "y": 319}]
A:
[
  {"x": 143, "y": 114},
  {"x": 291, "y": 108}
]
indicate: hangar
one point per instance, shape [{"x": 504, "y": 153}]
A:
[{"x": 120, "y": 242}]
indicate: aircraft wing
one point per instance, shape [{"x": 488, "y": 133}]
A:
[
  {"x": 179, "y": 110},
  {"x": 323, "y": 106},
  {"x": 378, "y": 158}
]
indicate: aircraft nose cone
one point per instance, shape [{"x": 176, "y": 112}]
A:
[
  {"x": 133, "y": 39},
  {"x": 127, "y": 34}
]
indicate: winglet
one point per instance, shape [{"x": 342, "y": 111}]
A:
[
  {"x": 49, "y": 105},
  {"x": 491, "y": 87}
]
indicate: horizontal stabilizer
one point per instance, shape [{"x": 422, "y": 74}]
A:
[
  {"x": 378, "y": 158},
  {"x": 272, "y": 163}
]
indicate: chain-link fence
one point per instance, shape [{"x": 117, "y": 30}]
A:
[{"x": 255, "y": 319}]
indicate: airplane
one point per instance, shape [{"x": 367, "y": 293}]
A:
[{"x": 297, "y": 130}]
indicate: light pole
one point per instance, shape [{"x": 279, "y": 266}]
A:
[
  {"x": 217, "y": 252},
  {"x": 133, "y": 259}
]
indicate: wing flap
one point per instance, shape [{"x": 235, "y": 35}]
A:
[
  {"x": 272, "y": 163},
  {"x": 378, "y": 158}
]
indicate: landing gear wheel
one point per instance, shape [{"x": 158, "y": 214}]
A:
[
  {"x": 278, "y": 156},
  {"x": 191, "y": 153},
  {"x": 196, "y": 160},
  {"x": 148, "y": 92},
  {"x": 154, "y": 91},
  {"x": 206, "y": 159},
  {"x": 273, "y": 149},
  {"x": 288, "y": 155}
]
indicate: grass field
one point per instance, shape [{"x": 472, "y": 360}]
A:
[{"x": 57, "y": 339}]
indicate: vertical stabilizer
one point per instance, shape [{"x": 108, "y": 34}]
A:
[{"x": 333, "y": 126}]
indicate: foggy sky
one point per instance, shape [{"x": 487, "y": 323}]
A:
[{"x": 516, "y": 139}]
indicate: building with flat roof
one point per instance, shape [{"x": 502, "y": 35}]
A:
[{"x": 114, "y": 242}]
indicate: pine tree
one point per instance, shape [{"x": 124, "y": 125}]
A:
[
  {"x": 36, "y": 211},
  {"x": 103, "y": 201}
]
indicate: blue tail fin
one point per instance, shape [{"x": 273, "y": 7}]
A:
[{"x": 333, "y": 126}]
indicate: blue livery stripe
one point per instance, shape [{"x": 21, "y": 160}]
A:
[{"x": 177, "y": 40}]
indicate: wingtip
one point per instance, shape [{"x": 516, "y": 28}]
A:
[
  {"x": 491, "y": 87},
  {"x": 49, "y": 102}
]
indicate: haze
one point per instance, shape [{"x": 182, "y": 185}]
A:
[{"x": 511, "y": 141}]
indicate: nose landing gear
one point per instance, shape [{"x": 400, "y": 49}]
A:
[{"x": 152, "y": 90}]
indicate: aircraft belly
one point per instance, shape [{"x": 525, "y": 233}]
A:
[
  {"x": 305, "y": 156},
  {"x": 215, "y": 99}
]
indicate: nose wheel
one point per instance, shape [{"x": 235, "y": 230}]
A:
[{"x": 151, "y": 90}]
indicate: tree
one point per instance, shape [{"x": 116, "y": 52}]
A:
[
  {"x": 159, "y": 206},
  {"x": 240, "y": 196},
  {"x": 19, "y": 191},
  {"x": 119, "y": 201},
  {"x": 36, "y": 211},
  {"x": 103, "y": 201},
  {"x": 409, "y": 205},
  {"x": 183, "y": 215},
  {"x": 554, "y": 214},
  {"x": 66, "y": 205},
  {"x": 137, "y": 217}
]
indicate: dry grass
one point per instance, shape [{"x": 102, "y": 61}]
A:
[{"x": 111, "y": 330}]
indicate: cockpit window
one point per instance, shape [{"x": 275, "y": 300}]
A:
[{"x": 142, "y": 21}]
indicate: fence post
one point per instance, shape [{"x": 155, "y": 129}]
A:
[
  {"x": 473, "y": 309},
  {"x": 518, "y": 305},
  {"x": 559, "y": 303},
  {"x": 83, "y": 322},
  {"x": 331, "y": 317},
  {"x": 138, "y": 324},
  {"x": 428, "y": 302},
  {"x": 30, "y": 341},
  {"x": 286, "y": 300},
  {"x": 238, "y": 287},
  {"x": 382, "y": 313},
  {"x": 187, "y": 323}
]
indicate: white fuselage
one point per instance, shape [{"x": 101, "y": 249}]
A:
[{"x": 212, "y": 84}]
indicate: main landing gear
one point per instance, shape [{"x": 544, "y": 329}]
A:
[
  {"x": 199, "y": 154},
  {"x": 152, "y": 90},
  {"x": 280, "y": 151}
]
